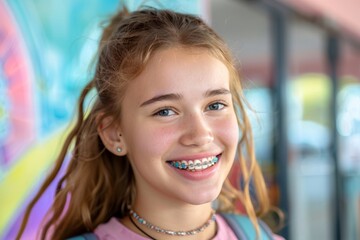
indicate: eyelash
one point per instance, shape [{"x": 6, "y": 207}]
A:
[{"x": 160, "y": 111}]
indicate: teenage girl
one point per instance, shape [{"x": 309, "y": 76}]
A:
[{"x": 150, "y": 159}]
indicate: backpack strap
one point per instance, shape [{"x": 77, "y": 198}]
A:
[
  {"x": 85, "y": 236},
  {"x": 243, "y": 228}
]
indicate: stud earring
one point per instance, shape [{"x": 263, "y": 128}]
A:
[{"x": 118, "y": 149}]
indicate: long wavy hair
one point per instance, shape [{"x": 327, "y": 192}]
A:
[{"x": 96, "y": 185}]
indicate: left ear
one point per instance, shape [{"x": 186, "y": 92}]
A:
[{"x": 111, "y": 136}]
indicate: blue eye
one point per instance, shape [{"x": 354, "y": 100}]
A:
[
  {"x": 216, "y": 106},
  {"x": 164, "y": 112}
]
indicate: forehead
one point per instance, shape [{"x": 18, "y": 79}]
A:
[
  {"x": 181, "y": 53},
  {"x": 178, "y": 62},
  {"x": 181, "y": 71}
]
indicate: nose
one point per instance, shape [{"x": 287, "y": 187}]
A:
[{"x": 197, "y": 131}]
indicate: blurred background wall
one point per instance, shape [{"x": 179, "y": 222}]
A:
[{"x": 300, "y": 62}]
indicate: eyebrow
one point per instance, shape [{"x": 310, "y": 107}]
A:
[
  {"x": 174, "y": 96},
  {"x": 170, "y": 96},
  {"x": 215, "y": 92}
]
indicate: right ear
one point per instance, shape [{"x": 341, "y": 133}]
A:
[{"x": 111, "y": 136}]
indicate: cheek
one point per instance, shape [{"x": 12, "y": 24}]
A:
[
  {"x": 151, "y": 140},
  {"x": 161, "y": 138},
  {"x": 228, "y": 131}
]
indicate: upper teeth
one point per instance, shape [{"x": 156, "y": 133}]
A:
[{"x": 197, "y": 164}]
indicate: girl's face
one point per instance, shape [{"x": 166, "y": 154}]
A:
[{"x": 179, "y": 127}]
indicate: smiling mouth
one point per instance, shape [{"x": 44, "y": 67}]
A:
[{"x": 196, "y": 164}]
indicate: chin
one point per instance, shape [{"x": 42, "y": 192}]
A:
[{"x": 203, "y": 197}]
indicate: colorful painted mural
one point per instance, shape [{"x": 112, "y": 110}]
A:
[
  {"x": 16, "y": 98},
  {"x": 46, "y": 47}
]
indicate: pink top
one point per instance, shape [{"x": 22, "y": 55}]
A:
[{"x": 114, "y": 230}]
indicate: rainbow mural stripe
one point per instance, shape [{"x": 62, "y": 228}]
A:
[{"x": 46, "y": 47}]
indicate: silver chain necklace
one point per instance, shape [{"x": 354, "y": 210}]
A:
[{"x": 170, "y": 232}]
